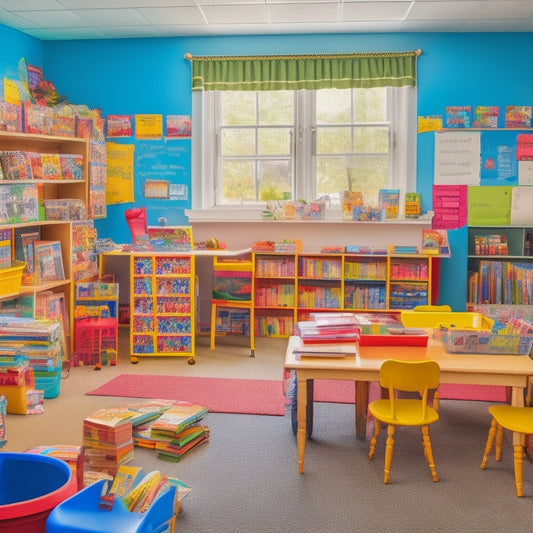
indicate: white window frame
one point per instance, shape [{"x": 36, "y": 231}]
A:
[{"x": 403, "y": 103}]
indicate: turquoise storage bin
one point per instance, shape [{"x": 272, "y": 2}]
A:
[{"x": 49, "y": 382}]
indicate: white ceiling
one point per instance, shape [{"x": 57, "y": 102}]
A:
[{"x": 113, "y": 19}]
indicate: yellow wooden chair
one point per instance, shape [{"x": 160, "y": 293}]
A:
[
  {"x": 433, "y": 308},
  {"x": 516, "y": 419},
  {"x": 406, "y": 376}
]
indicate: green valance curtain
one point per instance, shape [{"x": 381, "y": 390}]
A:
[{"x": 293, "y": 72}]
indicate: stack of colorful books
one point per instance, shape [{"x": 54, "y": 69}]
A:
[
  {"x": 107, "y": 439},
  {"x": 176, "y": 431}
]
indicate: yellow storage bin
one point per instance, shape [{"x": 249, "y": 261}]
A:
[
  {"x": 10, "y": 279},
  {"x": 437, "y": 319},
  {"x": 16, "y": 398}
]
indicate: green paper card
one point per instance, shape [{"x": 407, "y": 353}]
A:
[{"x": 489, "y": 205}]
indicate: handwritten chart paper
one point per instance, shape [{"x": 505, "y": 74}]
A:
[
  {"x": 148, "y": 126},
  {"x": 521, "y": 212},
  {"x": 119, "y": 186},
  {"x": 457, "y": 158},
  {"x": 489, "y": 205}
]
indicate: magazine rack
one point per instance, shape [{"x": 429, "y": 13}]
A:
[{"x": 81, "y": 514}]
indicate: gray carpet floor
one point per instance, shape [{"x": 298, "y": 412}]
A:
[{"x": 246, "y": 480}]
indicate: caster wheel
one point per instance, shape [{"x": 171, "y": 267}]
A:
[
  {"x": 134, "y": 360},
  {"x": 191, "y": 361}
]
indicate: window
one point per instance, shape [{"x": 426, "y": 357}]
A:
[
  {"x": 275, "y": 145},
  {"x": 301, "y": 127}
]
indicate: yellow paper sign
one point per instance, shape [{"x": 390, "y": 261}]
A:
[
  {"x": 148, "y": 126},
  {"x": 119, "y": 186}
]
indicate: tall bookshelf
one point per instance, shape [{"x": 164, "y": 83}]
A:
[
  {"x": 290, "y": 286},
  {"x": 500, "y": 274},
  {"x": 162, "y": 303},
  {"x": 49, "y": 230}
]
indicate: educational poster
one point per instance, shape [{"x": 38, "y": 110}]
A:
[
  {"x": 525, "y": 172},
  {"x": 119, "y": 126},
  {"x": 489, "y": 205},
  {"x": 521, "y": 211},
  {"x": 449, "y": 206},
  {"x": 148, "y": 126},
  {"x": 498, "y": 158},
  {"x": 178, "y": 126},
  {"x": 119, "y": 186},
  {"x": 156, "y": 189},
  {"x": 457, "y": 160}
]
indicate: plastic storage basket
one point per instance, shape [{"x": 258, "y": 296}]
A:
[
  {"x": 10, "y": 279},
  {"x": 484, "y": 342}
]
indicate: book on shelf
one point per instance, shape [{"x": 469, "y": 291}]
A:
[
  {"x": 518, "y": 116},
  {"x": 458, "y": 116},
  {"x": 486, "y": 116},
  {"x": 435, "y": 242},
  {"x": 15, "y": 165},
  {"x": 51, "y": 166},
  {"x": 28, "y": 241},
  {"x": 389, "y": 201},
  {"x": 491, "y": 244},
  {"x": 412, "y": 205},
  {"x": 48, "y": 261},
  {"x": 6, "y": 249}
]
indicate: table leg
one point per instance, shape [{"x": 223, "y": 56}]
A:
[
  {"x": 301, "y": 417},
  {"x": 517, "y": 400},
  {"x": 361, "y": 408}
]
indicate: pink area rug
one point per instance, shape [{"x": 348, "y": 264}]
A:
[
  {"x": 338, "y": 391},
  {"x": 258, "y": 396},
  {"x": 244, "y": 396}
]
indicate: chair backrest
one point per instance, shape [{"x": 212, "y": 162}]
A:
[
  {"x": 433, "y": 308},
  {"x": 409, "y": 376}
]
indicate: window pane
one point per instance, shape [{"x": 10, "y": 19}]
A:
[
  {"x": 274, "y": 179},
  {"x": 333, "y": 141},
  {"x": 276, "y": 107},
  {"x": 237, "y": 142},
  {"x": 237, "y": 182},
  {"x": 333, "y": 106},
  {"x": 274, "y": 141},
  {"x": 367, "y": 174},
  {"x": 370, "y": 105},
  {"x": 371, "y": 140},
  {"x": 238, "y": 108}
]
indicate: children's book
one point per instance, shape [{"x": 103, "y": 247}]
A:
[
  {"x": 486, "y": 116},
  {"x": 389, "y": 200},
  {"x": 51, "y": 164},
  {"x": 28, "y": 241},
  {"x": 458, "y": 116},
  {"x": 174, "y": 420},
  {"x": 48, "y": 261},
  {"x": 412, "y": 205},
  {"x": 518, "y": 116},
  {"x": 435, "y": 242}
]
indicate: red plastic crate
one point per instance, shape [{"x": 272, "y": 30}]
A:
[{"x": 92, "y": 337}]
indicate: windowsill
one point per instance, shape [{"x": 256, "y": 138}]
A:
[{"x": 252, "y": 215}]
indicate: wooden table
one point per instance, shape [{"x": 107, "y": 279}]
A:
[{"x": 473, "y": 369}]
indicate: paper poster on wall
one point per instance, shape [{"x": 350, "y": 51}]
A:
[
  {"x": 498, "y": 158},
  {"x": 178, "y": 126},
  {"x": 457, "y": 158},
  {"x": 430, "y": 123},
  {"x": 521, "y": 212},
  {"x": 148, "y": 126},
  {"x": 525, "y": 172},
  {"x": 119, "y": 186},
  {"x": 119, "y": 125},
  {"x": 156, "y": 189},
  {"x": 449, "y": 206},
  {"x": 179, "y": 191},
  {"x": 489, "y": 205}
]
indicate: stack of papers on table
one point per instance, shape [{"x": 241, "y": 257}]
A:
[{"x": 328, "y": 328}]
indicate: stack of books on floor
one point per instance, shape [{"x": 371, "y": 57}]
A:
[
  {"x": 41, "y": 340},
  {"x": 176, "y": 431},
  {"x": 107, "y": 439}
]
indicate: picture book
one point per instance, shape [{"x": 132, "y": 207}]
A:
[
  {"x": 458, "y": 117},
  {"x": 51, "y": 164},
  {"x": 15, "y": 165},
  {"x": 435, "y": 242},
  {"x": 389, "y": 200},
  {"x": 177, "y": 418},
  {"x": 71, "y": 166},
  {"x": 110, "y": 417},
  {"x": 27, "y": 241},
  {"x": 126, "y": 478},
  {"x": 10, "y": 117},
  {"x": 412, "y": 207},
  {"x": 36, "y": 166},
  {"x": 177, "y": 238},
  {"x": 6, "y": 250},
  {"x": 48, "y": 261},
  {"x": 518, "y": 116},
  {"x": 486, "y": 116}
]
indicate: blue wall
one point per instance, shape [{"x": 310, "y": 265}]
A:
[{"x": 128, "y": 76}]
